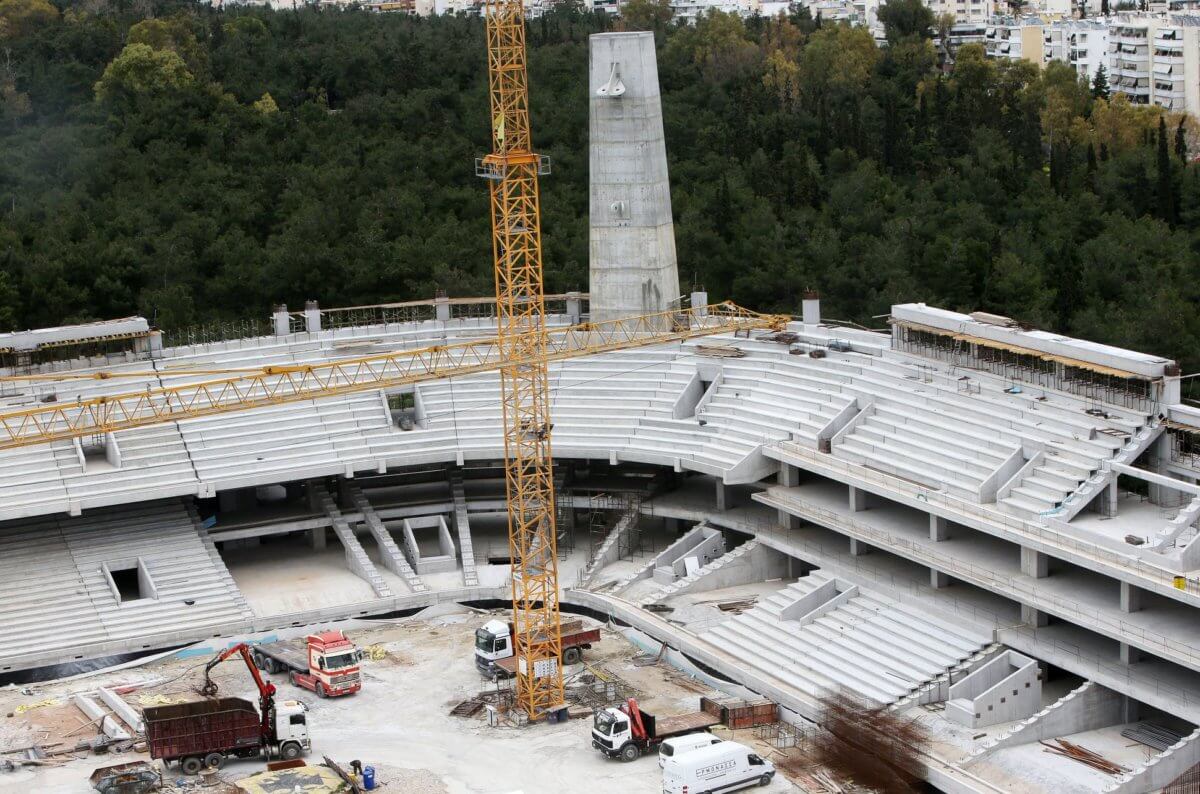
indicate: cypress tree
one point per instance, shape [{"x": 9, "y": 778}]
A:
[
  {"x": 1181, "y": 143},
  {"x": 1166, "y": 192},
  {"x": 1100, "y": 88}
]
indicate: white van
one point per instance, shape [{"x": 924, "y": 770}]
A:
[
  {"x": 716, "y": 769},
  {"x": 678, "y": 745}
]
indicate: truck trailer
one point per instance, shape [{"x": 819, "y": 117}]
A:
[
  {"x": 325, "y": 662},
  {"x": 494, "y": 646},
  {"x": 629, "y": 732},
  {"x": 203, "y": 733}
]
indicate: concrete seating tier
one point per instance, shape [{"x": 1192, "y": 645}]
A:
[
  {"x": 864, "y": 644},
  {"x": 55, "y": 595}
]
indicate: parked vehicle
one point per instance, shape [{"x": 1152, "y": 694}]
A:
[
  {"x": 628, "y": 732},
  {"x": 326, "y": 662},
  {"x": 134, "y": 777},
  {"x": 718, "y": 768},
  {"x": 678, "y": 745},
  {"x": 203, "y": 733},
  {"x": 494, "y": 646}
]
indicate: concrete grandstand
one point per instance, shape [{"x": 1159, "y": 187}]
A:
[{"x": 918, "y": 513}]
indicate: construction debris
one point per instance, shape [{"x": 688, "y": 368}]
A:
[
  {"x": 137, "y": 777},
  {"x": 1083, "y": 755},
  {"x": 867, "y": 743},
  {"x": 468, "y": 708},
  {"x": 108, "y": 724},
  {"x": 720, "y": 351}
]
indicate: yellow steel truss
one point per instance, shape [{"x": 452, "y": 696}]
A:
[{"x": 242, "y": 389}]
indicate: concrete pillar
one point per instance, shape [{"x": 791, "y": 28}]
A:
[
  {"x": 858, "y": 548},
  {"x": 441, "y": 308},
  {"x": 632, "y": 261},
  {"x": 811, "y": 308},
  {"x": 725, "y": 497},
  {"x": 939, "y": 528},
  {"x": 858, "y": 499},
  {"x": 317, "y": 536},
  {"x": 789, "y": 476},
  {"x": 312, "y": 317},
  {"x": 574, "y": 308},
  {"x": 938, "y": 579},
  {"x": 1161, "y": 454},
  {"x": 1130, "y": 654},
  {"x": 672, "y": 525},
  {"x": 699, "y": 301},
  {"x": 1034, "y": 617},
  {"x": 1034, "y": 563},
  {"x": 1131, "y": 710},
  {"x": 788, "y": 521},
  {"x": 1106, "y": 500},
  {"x": 281, "y": 320},
  {"x": 1131, "y": 597}
]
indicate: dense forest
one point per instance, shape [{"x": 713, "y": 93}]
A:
[{"x": 192, "y": 164}]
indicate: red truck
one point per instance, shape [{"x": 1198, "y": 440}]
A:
[
  {"x": 494, "y": 646},
  {"x": 325, "y": 662},
  {"x": 628, "y": 732},
  {"x": 203, "y": 733}
]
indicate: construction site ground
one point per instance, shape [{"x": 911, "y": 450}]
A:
[{"x": 416, "y": 671}]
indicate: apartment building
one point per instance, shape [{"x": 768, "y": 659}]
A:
[
  {"x": 1082, "y": 43},
  {"x": 1016, "y": 39}
]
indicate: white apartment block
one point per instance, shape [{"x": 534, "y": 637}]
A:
[
  {"x": 1176, "y": 64},
  {"x": 1131, "y": 53},
  {"x": 964, "y": 11},
  {"x": 1082, "y": 43}
]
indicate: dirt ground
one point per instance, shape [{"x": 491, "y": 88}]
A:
[{"x": 399, "y": 723}]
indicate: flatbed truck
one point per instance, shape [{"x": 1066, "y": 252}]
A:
[
  {"x": 628, "y": 732},
  {"x": 494, "y": 646},
  {"x": 325, "y": 662}
]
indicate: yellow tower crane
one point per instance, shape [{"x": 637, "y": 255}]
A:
[{"x": 512, "y": 169}]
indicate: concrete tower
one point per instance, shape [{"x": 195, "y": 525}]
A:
[{"x": 632, "y": 256}]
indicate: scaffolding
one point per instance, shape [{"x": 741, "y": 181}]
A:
[{"x": 1022, "y": 365}]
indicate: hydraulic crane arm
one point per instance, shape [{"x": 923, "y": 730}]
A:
[{"x": 266, "y": 690}]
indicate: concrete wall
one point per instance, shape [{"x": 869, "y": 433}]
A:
[
  {"x": 632, "y": 256},
  {"x": 1007, "y": 688},
  {"x": 1087, "y": 708},
  {"x": 446, "y": 558},
  {"x": 704, "y": 544}
]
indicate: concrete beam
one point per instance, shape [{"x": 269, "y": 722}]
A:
[
  {"x": 128, "y": 714},
  {"x": 93, "y": 711}
]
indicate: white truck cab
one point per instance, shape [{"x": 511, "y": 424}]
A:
[
  {"x": 493, "y": 641},
  {"x": 723, "y": 767},
  {"x": 291, "y": 728},
  {"x": 611, "y": 730}
]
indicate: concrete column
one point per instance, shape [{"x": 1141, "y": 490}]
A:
[
  {"x": 633, "y": 268},
  {"x": 939, "y": 528},
  {"x": 1106, "y": 500},
  {"x": 441, "y": 307},
  {"x": 858, "y": 548},
  {"x": 672, "y": 525},
  {"x": 1160, "y": 494},
  {"x": 858, "y": 499},
  {"x": 1034, "y": 563},
  {"x": 938, "y": 579},
  {"x": 725, "y": 498},
  {"x": 1131, "y": 597},
  {"x": 574, "y": 308},
  {"x": 1034, "y": 617},
  {"x": 787, "y": 520},
  {"x": 1131, "y": 710},
  {"x": 699, "y": 302},
  {"x": 317, "y": 537},
  {"x": 312, "y": 316},
  {"x": 811, "y": 308},
  {"x": 789, "y": 476},
  {"x": 281, "y": 321},
  {"x": 1130, "y": 654}
]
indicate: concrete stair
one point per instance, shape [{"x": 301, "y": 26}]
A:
[
  {"x": 393, "y": 558},
  {"x": 462, "y": 523},
  {"x": 685, "y": 583},
  {"x": 356, "y": 556}
]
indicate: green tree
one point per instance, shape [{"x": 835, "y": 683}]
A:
[
  {"x": 1166, "y": 187},
  {"x": 646, "y": 14},
  {"x": 1100, "y": 88},
  {"x": 1181, "y": 148},
  {"x": 139, "y": 70},
  {"x": 19, "y": 18},
  {"x": 902, "y": 19}
]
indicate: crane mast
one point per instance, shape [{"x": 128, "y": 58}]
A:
[{"x": 512, "y": 170}]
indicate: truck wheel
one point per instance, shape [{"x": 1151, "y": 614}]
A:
[
  {"x": 289, "y": 751},
  {"x": 629, "y": 753},
  {"x": 765, "y": 780},
  {"x": 572, "y": 656},
  {"x": 214, "y": 760},
  {"x": 321, "y": 692},
  {"x": 191, "y": 765}
]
